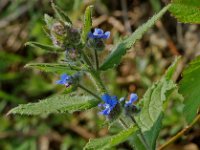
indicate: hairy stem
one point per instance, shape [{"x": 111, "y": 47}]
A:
[
  {"x": 98, "y": 82},
  {"x": 121, "y": 121},
  {"x": 90, "y": 92},
  {"x": 179, "y": 134},
  {"x": 86, "y": 59},
  {"x": 96, "y": 59},
  {"x": 141, "y": 134},
  {"x": 94, "y": 75}
]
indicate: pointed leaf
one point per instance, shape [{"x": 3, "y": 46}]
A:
[
  {"x": 186, "y": 11},
  {"x": 150, "y": 135},
  {"x": 152, "y": 103},
  {"x": 115, "y": 57},
  {"x": 56, "y": 104},
  {"x": 49, "y": 21},
  {"x": 170, "y": 71},
  {"x": 151, "y": 115},
  {"x": 55, "y": 68},
  {"x": 61, "y": 15},
  {"x": 110, "y": 141},
  {"x": 87, "y": 23},
  {"x": 190, "y": 87},
  {"x": 44, "y": 47}
]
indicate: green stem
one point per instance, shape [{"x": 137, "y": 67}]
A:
[
  {"x": 90, "y": 92},
  {"x": 98, "y": 82},
  {"x": 121, "y": 121},
  {"x": 96, "y": 59},
  {"x": 86, "y": 59},
  {"x": 141, "y": 134},
  {"x": 94, "y": 75}
]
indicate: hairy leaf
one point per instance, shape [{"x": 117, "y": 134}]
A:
[
  {"x": 110, "y": 141},
  {"x": 172, "y": 68},
  {"x": 87, "y": 23},
  {"x": 55, "y": 68},
  {"x": 187, "y": 11},
  {"x": 48, "y": 48},
  {"x": 49, "y": 21},
  {"x": 115, "y": 57},
  {"x": 56, "y": 104},
  {"x": 61, "y": 15},
  {"x": 150, "y": 135},
  {"x": 152, "y": 103},
  {"x": 190, "y": 87},
  {"x": 150, "y": 117}
]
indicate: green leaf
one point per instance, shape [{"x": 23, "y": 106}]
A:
[
  {"x": 152, "y": 103},
  {"x": 186, "y": 11},
  {"x": 150, "y": 135},
  {"x": 150, "y": 117},
  {"x": 172, "y": 68},
  {"x": 87, "y": 23},
  {"x": 61, "y": 15},
  {"x": 190, "y": 87},
  {"x": 56, "y": 104},
  {"x": 110, "y": 141},
  {"x": 44, "y": 47},
  {"x": 55, "y": 68},
  {"x": 115, "y": 57},
  {"x": 49, "y": 21}
]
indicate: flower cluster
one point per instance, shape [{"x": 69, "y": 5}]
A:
[
  {"x": 110, "y": 102},
  {"x": 96, "y": 39},
  {"x": 69, "y": 80},
  {"x": 99, "y": 34},
  {"x": 65, "y": 80}
]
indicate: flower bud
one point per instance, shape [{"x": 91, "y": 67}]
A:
[
  {"x": 114, "y": 114},
  {"x": 132, "y": 109},
  {"x": 74, "y": 36},
  {"x": 96, "y": 44},
  {"x": 58, "y": 34}
]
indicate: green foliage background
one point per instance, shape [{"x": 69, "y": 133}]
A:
[{"x": 22, "y": 21}]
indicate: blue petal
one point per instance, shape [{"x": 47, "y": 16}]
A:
[
  {"x": 114, "y": 101},
  {"x": 100, "y": 105},
  {"x": 97, "y": 31},
  {"x": 106, "y": 98},
  {"x": 133, "y": 97},
  {"x": 106, "y": 35},
  {"x": 64, "y": 77},
  {"x": 105, "y": 111},
  {"x": 90, "y": 35},
  {"x": 98, "y": 36},
  {"x": 60, "y": 82}
]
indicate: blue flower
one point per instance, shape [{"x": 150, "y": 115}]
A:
[
  {"x": 133, "y": 98},
  {"x": 109, "y": 105},
  {"x": 65, "y": 80},
  {"x": 99, "y": 34}
]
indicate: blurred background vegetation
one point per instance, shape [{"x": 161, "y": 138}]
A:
[{"x": 22, "y": 21}]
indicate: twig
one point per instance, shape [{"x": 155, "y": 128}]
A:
[
  {"x": 171, "y": 44},
  {"x": 81, "y": 131},
  {"x": 179, "y": 134}
]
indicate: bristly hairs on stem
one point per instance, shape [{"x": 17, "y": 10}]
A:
[{"x": 148, "y": 147}]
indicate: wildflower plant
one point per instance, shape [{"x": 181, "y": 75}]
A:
[{"x": 141, "y": 121}]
